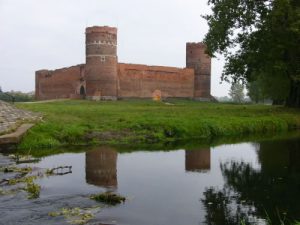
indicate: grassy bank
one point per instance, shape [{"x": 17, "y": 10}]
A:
[{"x": 85, "y": 122}]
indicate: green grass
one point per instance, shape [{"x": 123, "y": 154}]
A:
[{"x": 68, "y": 123}]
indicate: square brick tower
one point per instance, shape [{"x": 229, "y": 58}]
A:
[{"x": 197, "y": 59}]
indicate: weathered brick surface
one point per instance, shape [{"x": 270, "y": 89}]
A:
[
  {"x": 142, "y": 81},
  {"x": 102, "y": 77},
  {"x": 201, "y": 63},
  {"x": 101, "y": 62},
  {"x": 60, "y": 83}
]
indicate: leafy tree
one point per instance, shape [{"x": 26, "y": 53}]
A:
[
  {"x": 223, "y": 99},
  {"x": 236, "y": 92},
  {"x": 255, "y": 92},
  {"x": 258, "y": 37}
]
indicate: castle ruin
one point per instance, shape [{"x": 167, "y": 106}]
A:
[{"x": 102, "y": 77}]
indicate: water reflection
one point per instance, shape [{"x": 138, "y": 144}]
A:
[
  {"x": 197, "y": 160},
  {"x": 221, "y": 185},
  {"x": 101, "y": 167},
  {"x": 271, "y": 191}
]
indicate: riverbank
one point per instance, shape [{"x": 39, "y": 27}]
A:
[{"x": 68, "y": 123}]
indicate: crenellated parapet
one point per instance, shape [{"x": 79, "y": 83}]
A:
[{"x": 102, "y": 77}]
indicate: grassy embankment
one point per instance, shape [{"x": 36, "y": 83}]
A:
[{"x": 68, "y": 123}]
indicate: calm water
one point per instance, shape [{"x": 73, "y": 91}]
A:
[{"x": 218, "y": 185}]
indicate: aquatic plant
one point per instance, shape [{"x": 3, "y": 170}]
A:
[
  {"x": 14, "y": 169},
  {"x": 24, "y": 158},
  {"x": 33, "y": 190},
  {"x": 109, "y": 198},
  {"x": 77, "y": 215},
  {"x": 8, "y": 192},
  {"x": 24, "y": 176},
  {"x": 28, "y": 179}
]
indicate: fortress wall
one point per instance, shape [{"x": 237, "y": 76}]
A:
[
  {"x": 197, "y": 58},
  {"x": 103, "y": 78},
  {"x": 60, "y": 83},
  {"x": 143, "y": 81}
]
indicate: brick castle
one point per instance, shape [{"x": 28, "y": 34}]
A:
[{"x": 102, "y": 77}]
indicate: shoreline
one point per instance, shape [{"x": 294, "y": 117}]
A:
[{"x": 142, "y": 122}]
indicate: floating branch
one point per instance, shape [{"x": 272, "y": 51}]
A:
[{"x": 61, "y": 170}]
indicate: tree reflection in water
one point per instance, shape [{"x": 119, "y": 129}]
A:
[{"x": 250, "y": 194}]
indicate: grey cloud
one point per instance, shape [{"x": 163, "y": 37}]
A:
[{"x": 49, "y": 34}]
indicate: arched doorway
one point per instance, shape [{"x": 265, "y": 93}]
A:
[{"x": 82, "y": 91}]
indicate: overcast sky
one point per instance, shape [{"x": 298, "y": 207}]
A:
[{"x": 49, "y": 34}]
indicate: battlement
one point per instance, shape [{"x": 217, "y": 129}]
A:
[
  {"x": 103, "y": 29},
  {"x": 47, "y": 72},
  {"x": 150, "y": 68},
  {"x": 102, "y": 77},
  {"x": 195, "y": 45}
]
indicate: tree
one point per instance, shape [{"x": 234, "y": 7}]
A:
[
  {"x": 236, "y": 92},
  {"x": 14, "y": 96},
  {"x": 258, "y": 37},
  {"x": 255, "y": 91}
]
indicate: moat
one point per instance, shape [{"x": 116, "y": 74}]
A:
[{"x": 227, "y": 184}]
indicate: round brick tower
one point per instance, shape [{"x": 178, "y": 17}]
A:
[
  {"x": 101, "y": 63},
  {"x": 197, "y": 59}
]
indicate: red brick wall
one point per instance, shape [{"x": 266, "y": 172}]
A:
[
  {"x": 197, "y": 59},
  {"x": 60, "y": 83},
  {"x": 142, "y": 81}
]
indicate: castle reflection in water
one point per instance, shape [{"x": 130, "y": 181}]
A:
[
  {"x": 197, "y": 160},
  {"x": 101, "y": 165}
]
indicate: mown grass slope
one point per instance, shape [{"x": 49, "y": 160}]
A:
[{"x": 145, "y": 121}]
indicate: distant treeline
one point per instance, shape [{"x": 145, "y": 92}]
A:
[{"x": 16, "y": 96}]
